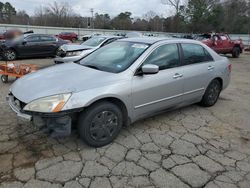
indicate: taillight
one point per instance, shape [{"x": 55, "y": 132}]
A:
[{"x": 230, "y": 67}]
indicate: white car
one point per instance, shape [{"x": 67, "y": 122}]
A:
[{"x": 74, "y": 52}]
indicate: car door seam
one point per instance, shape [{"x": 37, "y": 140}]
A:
[{"x": 168, "y": 98}]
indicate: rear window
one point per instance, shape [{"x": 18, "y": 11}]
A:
[{"x": 195, "y": 53}]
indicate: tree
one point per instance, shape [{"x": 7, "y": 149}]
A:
[
  {"x": 176, "y": 4},
  {"x": 198, "y": 13},
  {"x": 102, "y": 21},
  {"x": 7, "y": 11},
  {"x": 122, "y": 21}
]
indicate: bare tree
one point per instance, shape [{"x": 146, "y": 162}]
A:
[{"x": 177, "y": 4}]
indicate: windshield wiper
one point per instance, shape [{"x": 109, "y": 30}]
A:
[{"x": 92, "y": 66}]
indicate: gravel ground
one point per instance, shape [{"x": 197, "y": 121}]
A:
[{"x": 190, "y": 147}]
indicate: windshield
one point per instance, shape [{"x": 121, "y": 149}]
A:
[
  {"x": 95, "y": 41},
  {"x": 115, "y": 57}
]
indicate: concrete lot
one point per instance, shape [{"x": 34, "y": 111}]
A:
[{"x": 190, "y": 147}]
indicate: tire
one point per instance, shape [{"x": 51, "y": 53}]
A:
[
  {"x": 74, "y": 40},
  {"x": 10, "y": 55},
  {"x": 100, "y": 124},
  {"x": 236, "y": 52},
  {"x": 212, "y": 94},
  {"x": 4, "y": 78}
]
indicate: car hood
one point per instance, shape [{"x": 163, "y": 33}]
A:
[
  {"x": 75, "y": 47},
  {"x": 65, "y": 78}
]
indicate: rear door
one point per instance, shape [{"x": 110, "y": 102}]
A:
[
  {"x": 198, "y": 71},
  {"x": 159, "y": 91},
  {"x": 48, "y": 45}
]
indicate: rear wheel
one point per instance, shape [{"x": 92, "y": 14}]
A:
[
  {"x": 236, "y": 52},
  {"x": 100, "y": 124},
  {"x": 4, "y": 78},
  {"x": 212, "y": 94},
  {"x": 10, "y": 55},
  {"x": 73, "y": 40}
]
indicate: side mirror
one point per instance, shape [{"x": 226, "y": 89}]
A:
[{"x": 150, "y": 69}]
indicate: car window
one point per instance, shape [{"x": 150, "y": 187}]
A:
[
  {"x": 33, "y": 39},
  {"x": 47, "y": 38},
  {"x": 166, "y": 56},
  {"x": 194, "y": 53},
  {"x": 223, "y": 37}
]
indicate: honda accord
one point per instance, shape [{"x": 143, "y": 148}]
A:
[{"x": 121, "y": 83}]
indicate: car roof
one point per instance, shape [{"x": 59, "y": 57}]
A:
[
  {"x": 147, "y": 40},
  {"x": 152, "y": 40},
  {"x": 107, "y": 36},
  {"x": 35, "y": 34}
]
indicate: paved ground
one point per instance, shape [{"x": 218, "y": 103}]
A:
[{"x": 191, "y": 147}]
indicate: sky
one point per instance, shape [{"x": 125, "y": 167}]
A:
[{"x": 112, "y": 7}]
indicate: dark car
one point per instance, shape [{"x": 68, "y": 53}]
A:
[
  {"x": 31, "y": 45},
  {"x": 68, "y": 36}
]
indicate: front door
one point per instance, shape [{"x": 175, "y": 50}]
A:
[
  {"x": 155, "y": 92},
  {"x": 30, "y": 46}
]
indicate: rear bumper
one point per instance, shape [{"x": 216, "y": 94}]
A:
[{"x": 17, "y": 109}]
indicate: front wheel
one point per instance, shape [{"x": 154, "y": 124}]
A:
[
  {"x": 236, "y": 52},
  {"x": 100, "y": 124},
  {"x": 4, "y": 78},
  {"x": 212, "y": 94},
  {"x": 10, "y": 55}
]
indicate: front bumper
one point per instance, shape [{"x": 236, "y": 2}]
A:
[{"x": 17, "y": 109}]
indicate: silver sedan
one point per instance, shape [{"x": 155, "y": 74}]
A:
[{"x": 121, "y": 83}]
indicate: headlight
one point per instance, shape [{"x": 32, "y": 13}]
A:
[
  {"x": 48, "y": 104},
  {"x": 75, "y": 53}
]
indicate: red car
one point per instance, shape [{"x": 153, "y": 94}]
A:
[
  {"x": 1, "y": 35},
  {"x": 222, "y": 44},
  {"x": 68, "y": 36}
]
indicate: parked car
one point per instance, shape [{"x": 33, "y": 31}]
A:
[
  {"x": 86, "y": 37},
  {"x": 31, "y": 45},
  {"x": 122, "y": 82},
  {"x": 222, "y": 44},
  {"x": 75, "y": 52},
  {"x": 73, "y": 37}
]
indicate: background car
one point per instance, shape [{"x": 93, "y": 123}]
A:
[
  {"x": 73, "y": 52},
  {"x": 222, "y": 43},
  {"x": 73, "y": 37},
  {"x": 31, "y": 45}
]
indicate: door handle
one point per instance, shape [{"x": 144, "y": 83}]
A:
[
  {"x": 177, "y": 75},
  {"x": 210, "y": 68}
]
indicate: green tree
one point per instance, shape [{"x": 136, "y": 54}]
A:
[
  {"x": 197, "y": 14},
  {"x": 7, "y": 12},
  {"x": 123, "y": 21}
]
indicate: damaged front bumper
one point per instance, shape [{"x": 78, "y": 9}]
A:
[{"x": 16, "y": 107}]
